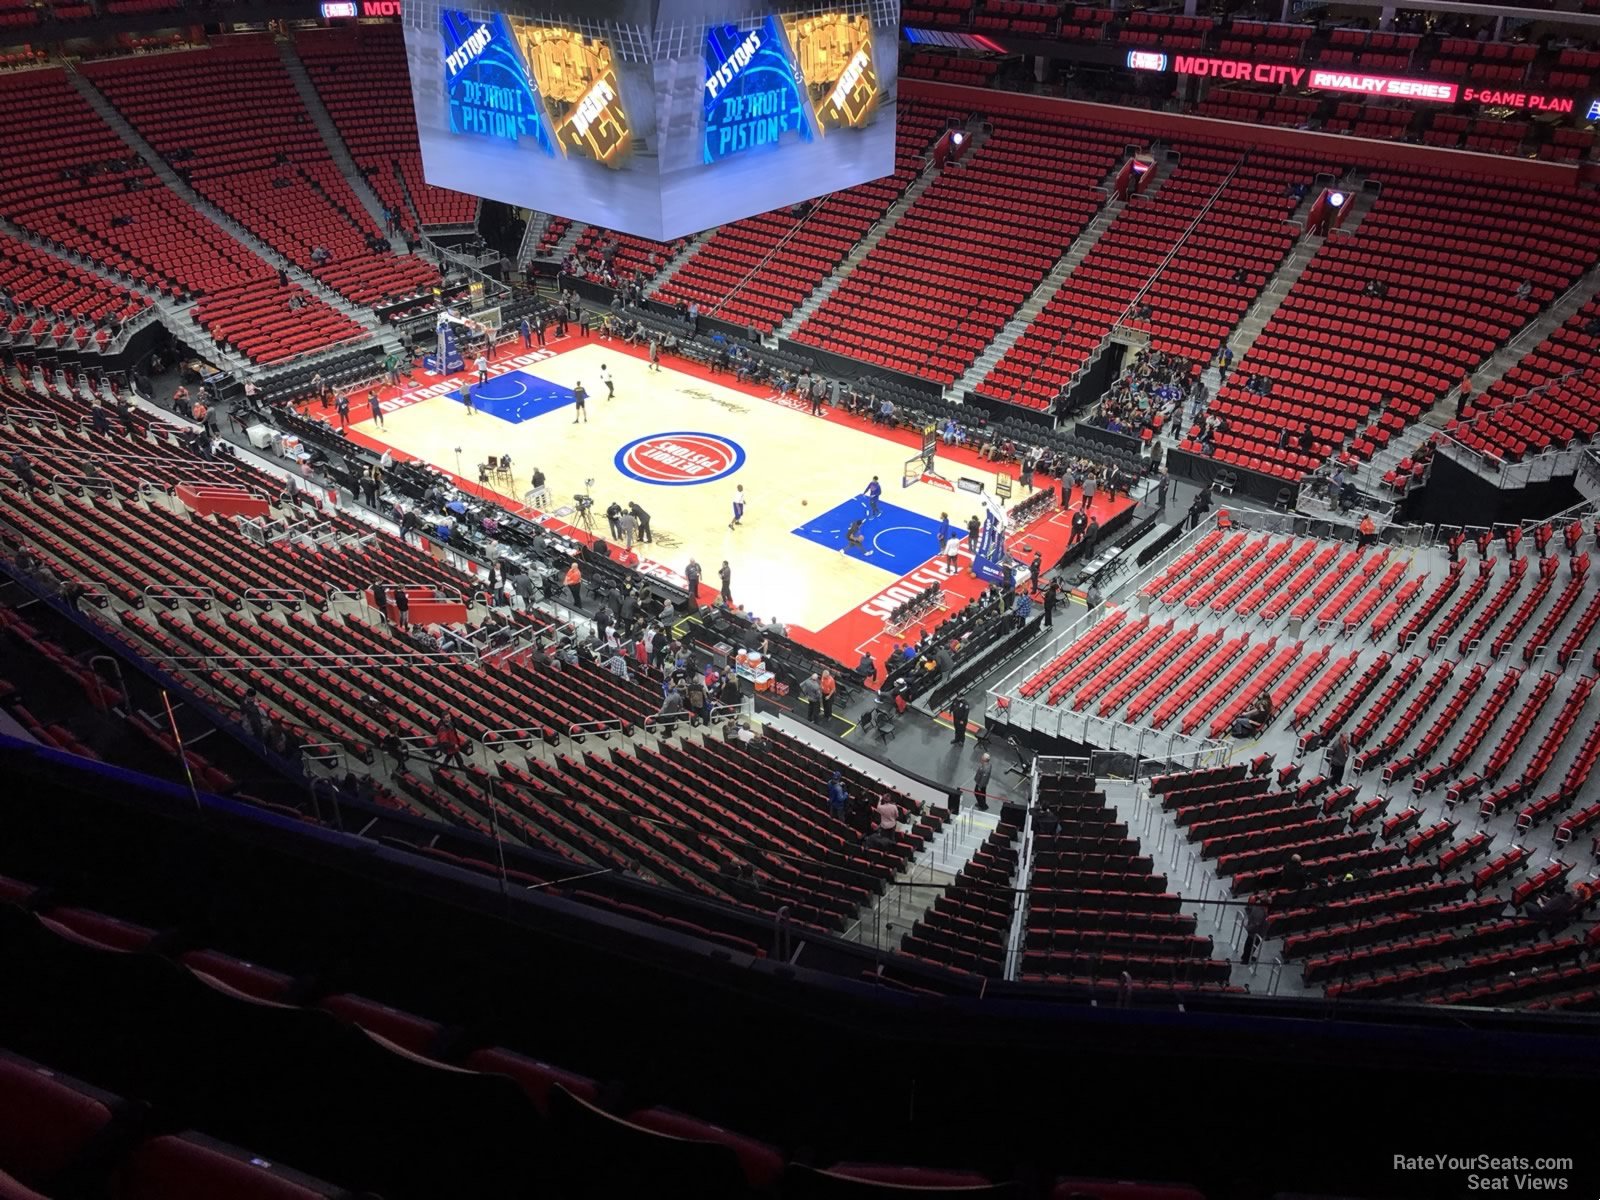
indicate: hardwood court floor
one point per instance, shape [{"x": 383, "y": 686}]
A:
[
  {"x": 797, "y": 470},
  {"x": 784, "y": 558}
]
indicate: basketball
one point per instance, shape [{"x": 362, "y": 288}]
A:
[{"x": 803, "y": 503}]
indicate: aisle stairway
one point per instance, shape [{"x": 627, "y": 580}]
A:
[
  {"x": 339, "y": 152},
  {"x": 1060, "y": 275},
  {"x": 120, "y": 126},
  {"x": 977, "y": 137}
]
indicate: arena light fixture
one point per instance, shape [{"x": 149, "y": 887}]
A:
[{"x": 1336, "y": 199}]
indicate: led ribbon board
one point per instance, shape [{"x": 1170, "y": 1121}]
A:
[
  {"x": 578, "y": 81},
  {"x": 834, "y": 54},
  {"x": 752, "y": 97},
  {"x": 489, "y": 92}
]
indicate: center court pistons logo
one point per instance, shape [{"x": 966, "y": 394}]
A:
[{"x": 680, "y": 459}]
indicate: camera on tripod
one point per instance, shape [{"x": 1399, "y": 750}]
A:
[{"x": 585, "y": 503}]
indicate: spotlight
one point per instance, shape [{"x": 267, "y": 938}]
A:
[
  {"x": 1336, "y": 199},
  {"x": 957, "y": 138}
]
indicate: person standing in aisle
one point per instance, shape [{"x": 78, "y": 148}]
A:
[
  {"x": 828, "y": 685},
  {"x": 1338, "y": 756},
  {"x": 980, "y": 782},
  {"x": 402, "y": 607},
  {"x": 1051, "y": 593},
  {"x": 738, "y": 506},
  {"x": 574, "y": 582},
  {"x": 959, "y": 711}
]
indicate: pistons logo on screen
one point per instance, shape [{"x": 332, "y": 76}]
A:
[{"x": 680, "y": 459}]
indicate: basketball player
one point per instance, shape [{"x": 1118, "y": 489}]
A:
[
  {"x": 580, "y": 403},
  {"x": 482, "y": 364},
  {"x": 853, "y": 538},
  {"x": 655, "y": 354},
  {"x": 605, "y": 378},
  {"x": 874, "y": 490},
  {"x": 738, "y": 506},
  {"x": 466, "y": 398}
]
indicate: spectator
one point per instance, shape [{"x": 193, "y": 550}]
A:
[
  {"x": 811, "y": 693},
  {"x": 450, "y": 743},
  {"x": 888, "y": 816},
  {"x": 838, "y": 797},
  {"x": 1255, "y": 927},
  {"x": 1255, "y": 717}
]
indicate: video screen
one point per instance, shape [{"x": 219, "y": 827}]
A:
[{"x": 654, "y": 117}]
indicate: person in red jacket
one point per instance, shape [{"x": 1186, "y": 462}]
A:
[{"x": 450, "y": 742}]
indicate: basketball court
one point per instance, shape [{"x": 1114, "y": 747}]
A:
[{"x": 679, "y": 441}]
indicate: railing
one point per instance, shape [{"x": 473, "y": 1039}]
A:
[
  {"x": 1552, "y": 464},
  {"x": 1210, "y": 203},
  {"x": 89, "y": 483},
  {"x": 1588, "y": 475},
  {"x": 526, "y": 735},
  {"x": 473, "y": 263},
  {"x": 177, "y": 594},
  {"x": 32, "y": 416},
  {"x": 1022, "y": 880},
  {"x": 328, "y": 754},
  {"x": 133, "y": 325},
  {"x": 266, "y": 597},
  {"x": 267, "y": 370},
  {"x": 766, "y": 258},
  {"x": 580, "y": 731},
  {"x": 1069, "y": 633},
  {"x": 295, "y": 662}
]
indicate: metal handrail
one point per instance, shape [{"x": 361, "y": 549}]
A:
[
  {"x": 494, "y": 739},
  {"x": 582, "y": 729},
  {"x": 266, "y": 596},
  {"x": 89, "y": 483},
  {"x": 183, "y": 592},
  {"x": 266, "y": 370},
  {"x": 1133, "y": 302},
  {"x": 339, "y": 755},
  {"x": 34, "y": 416},
  {"x": 96, "y": 659},
  {"x": 776, "y": 246},
  {"x": 291, "y": 662}
]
